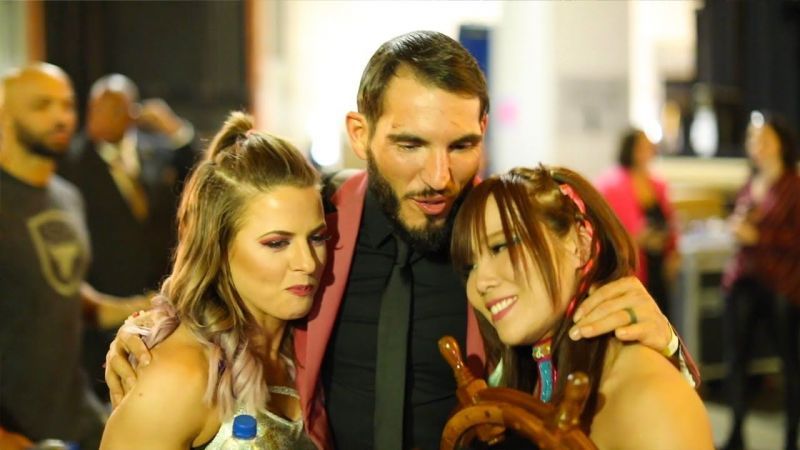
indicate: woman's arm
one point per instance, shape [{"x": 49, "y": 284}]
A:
[{"x": 165, "y": 409}]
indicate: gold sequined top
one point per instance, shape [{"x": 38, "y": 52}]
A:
[{"x": 273, "y": 433}]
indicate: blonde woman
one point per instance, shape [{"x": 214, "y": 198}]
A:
[{"x": 251, "y": 250}]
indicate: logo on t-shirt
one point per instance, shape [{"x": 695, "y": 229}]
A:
[{"x": 62, "y": 256}]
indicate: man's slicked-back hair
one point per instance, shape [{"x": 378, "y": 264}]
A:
[{"x": 433, "y": 57}]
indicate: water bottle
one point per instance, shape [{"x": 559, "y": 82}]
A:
[
  {"x": 55, "y": 444},
  {"x": 244, "y": 434}
]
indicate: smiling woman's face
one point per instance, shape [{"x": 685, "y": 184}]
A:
[{"x": 521, "y": 309}]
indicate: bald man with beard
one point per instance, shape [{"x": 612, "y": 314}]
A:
[{"x": 44, "y": 254}]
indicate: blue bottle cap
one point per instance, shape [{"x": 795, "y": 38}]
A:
[{"x": 244, "y": 427}]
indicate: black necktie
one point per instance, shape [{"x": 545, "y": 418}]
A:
[{"x": 390, "y": 372}]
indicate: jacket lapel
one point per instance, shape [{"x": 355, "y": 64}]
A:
[{"x": 312, "y": 340}]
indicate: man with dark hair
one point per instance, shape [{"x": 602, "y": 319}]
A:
[{"x": 369, "y": 371}]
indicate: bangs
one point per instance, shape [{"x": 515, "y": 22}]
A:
[
  {"x": 469, "y": 227},
  {"x": 521, "y": 219}
]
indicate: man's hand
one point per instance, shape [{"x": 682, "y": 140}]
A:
[
  {"x": 111, "y": 313},
  {"x": 13, "y": 441},
  {"x": 156, "y": 115},
  {"x": 120, "y": 375},
  {"x": 605, "y": 310}
]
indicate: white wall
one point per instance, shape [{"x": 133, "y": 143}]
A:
[
  {"x": 592, "y": 66},
  {"x": 559, "y": 84},
  {"x": 521, "y": 129},
  {"x": 565, "y": 77},
  {"x": 662, "y": 45},
  {"x": 13, "y": 51},
  {"x": 324, "y": 46}
]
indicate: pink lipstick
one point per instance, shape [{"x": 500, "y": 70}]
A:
[{"x": 301, "y": 290}]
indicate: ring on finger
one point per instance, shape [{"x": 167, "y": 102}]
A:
[{"x": 632, "y": 316}]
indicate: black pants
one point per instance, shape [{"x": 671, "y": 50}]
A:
[{"x": 749, "y": 305}]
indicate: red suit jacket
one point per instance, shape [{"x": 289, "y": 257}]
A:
[{"x": 312, "y": 339}]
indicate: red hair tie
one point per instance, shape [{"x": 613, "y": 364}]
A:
[
  {"x": 570, "y": 192},
  {"x": 583, "y": 288}
]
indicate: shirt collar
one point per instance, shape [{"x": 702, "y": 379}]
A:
[
  {"x": 377, "y": 226},
  {"x": 125, "y": 150}
]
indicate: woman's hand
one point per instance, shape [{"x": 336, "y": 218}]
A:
[
  {"x": 745, "y": 232},
  {"x": 672, "y": 267},
  {"x": 652, "y": 240},
  {"x": 625, "y": 307}
]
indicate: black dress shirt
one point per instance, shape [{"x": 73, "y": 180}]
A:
[{"x": 348, "y": 374}]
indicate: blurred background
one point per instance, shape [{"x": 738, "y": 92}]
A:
[{"x": 566, "y": 78}]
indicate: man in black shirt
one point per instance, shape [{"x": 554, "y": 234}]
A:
[
  {"x": 44, "y": 253},
  {"x": 423, "y": 108},
  {"x": 422, "y": 114}
]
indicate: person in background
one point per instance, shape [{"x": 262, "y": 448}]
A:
[
  {"x": 641, "y": 201},
  {"x": 129, "y": 165},
  {"x": 762, "y": 280},
  {"x": 531, "y": 244},
  {"x": 249, "y": 259},
  {"x": 422, "y": 113},
  {"x": 44, "y": 254}
]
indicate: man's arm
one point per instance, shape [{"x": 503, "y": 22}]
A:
[
  {"x": 109, "y": 311},
  {"x": 605, "y": 310},
  {"x": 155, "y": 115}
]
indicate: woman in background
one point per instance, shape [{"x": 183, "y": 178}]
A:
[
  {"x": 763, "y": 278},
  {"x": 532, "y": 243},
  {"x": 251, "y": 249},
  {"x": 640, "y": 200}
]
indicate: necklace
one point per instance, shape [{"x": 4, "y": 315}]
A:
[{"x": 542, "y": 354}]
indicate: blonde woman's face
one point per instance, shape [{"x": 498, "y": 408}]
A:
[
  {"x": 521, "y": 310},
  {"x": 277, "y": 256}
]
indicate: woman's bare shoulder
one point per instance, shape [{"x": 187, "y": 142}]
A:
[
  {"x": 646, "y": 404},
  {"x": 165, "y": 408},
  {"x": 180, "y": 351}
]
